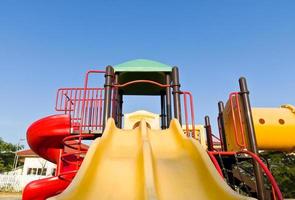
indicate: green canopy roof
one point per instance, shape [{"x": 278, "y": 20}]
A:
[
  {"x": 142, "y": 65},
  {"x": 141, "y": 69}
]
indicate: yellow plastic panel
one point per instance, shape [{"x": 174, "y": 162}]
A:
[
  {"x": 200, "y": 133},
  {"x": 147, "y": 164},
  {"x": 274, "y": 128},
  {"x": 131, "y": 119},
  {"x": 229, "y": 128}
]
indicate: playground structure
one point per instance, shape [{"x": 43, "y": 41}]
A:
[{"x": 145, "y": 159}]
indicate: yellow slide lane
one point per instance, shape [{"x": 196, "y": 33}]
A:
[{"x": 147, "y": 164}]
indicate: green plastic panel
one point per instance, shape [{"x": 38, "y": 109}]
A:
[
  {"x": 141, "y": 69},
  {"x": 142, "y": 65}
]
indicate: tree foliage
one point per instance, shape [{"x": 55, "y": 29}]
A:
[
  {"x": 282, "y": 166},
  {"x": 7, "y": 155}
]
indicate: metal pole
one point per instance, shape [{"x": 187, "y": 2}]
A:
[
  {"x": 208, "y": 133},
  {"x": 107, "y": 94},
  {"x": 176, "y": 94},
  {"x": 120, "y": 107},
  {"x": 221, "y": 124},
  {"x": 244, "y": 93},
  {"x": 116, "y": 100},
  {"x": 15, "y": 160},
  {"x": 168, "y": 100},
  {"x": 163, "y": 111},
  {"x": 16, "y": 157}
]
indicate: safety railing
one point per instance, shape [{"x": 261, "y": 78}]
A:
[
  {"x": 84, "y": 105},
  {"x": 188, "y": 95},
  {"x": 255, "y": 157},
  {"x": 220, "y": 134},
  {"x": 237, "y": 119},
  {"x": 216, "y": 140},
  {"x": 141, "y": 81}
]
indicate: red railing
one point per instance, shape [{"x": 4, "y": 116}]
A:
[
  {"x": 141, "y": 81},
  {"x": 234, "y": 99},
  {"x": 87, "y": 119},
  {"x": 220, "y": 134},
  {"x": 84, "y": 105},
  {"x": 188, "y": 95},
  {"x": 270, "y": 177},
  {"x": 215, "y": 140}
]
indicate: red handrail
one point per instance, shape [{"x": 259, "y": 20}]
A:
[
  {"x": 267, "y": 172},
  {"x": 215, "y": 163},
  {"x": 63, "y": 156},
  {"x": 257, "y": 159},
  {"x": 84, "y": 95},
  {"x": 236, "y": 96},
  {"x": 214, "y": 136},
  {"x": 191, "y": 100},
  {"x": 141, "y": 81},
  {"x": 72, "y": 105},
  {"x": 218, "y": 140},
  {"x": 91, "y": 98},
  {"x": 226, "y": 153}
]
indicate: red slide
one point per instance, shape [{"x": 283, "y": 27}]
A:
[{"x": 45, "y": 137}]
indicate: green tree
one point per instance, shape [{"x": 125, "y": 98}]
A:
[
  {"x": 282, "y": 166},
  {"x": 7, "y": 155}
]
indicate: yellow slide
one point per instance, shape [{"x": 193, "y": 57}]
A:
[{"x": 147, "y": 164}]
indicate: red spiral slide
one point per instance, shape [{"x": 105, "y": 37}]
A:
[{"x": 45, "y": 137}]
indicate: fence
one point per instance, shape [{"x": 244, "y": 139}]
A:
[{"x": 16, "y": 183}]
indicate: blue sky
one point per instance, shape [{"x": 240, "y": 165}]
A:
[{"x": 44, "y": 46}]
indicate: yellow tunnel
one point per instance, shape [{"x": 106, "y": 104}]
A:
[{"x": 274, "y": 128}]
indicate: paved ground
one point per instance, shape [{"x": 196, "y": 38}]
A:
[{"x": 10, "y": 196}]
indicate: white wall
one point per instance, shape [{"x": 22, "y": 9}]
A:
[{"x": 32, "y": 165}]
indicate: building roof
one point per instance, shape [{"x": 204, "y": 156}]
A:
[
  {"x": 31, "y": 153},
  {"x": 26, "y": 153}
]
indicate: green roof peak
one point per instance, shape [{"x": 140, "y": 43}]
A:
[{"x": 142, "y": 65}]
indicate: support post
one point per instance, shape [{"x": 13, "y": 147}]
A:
[
  {"x": 115, "y": 101},
  {"x": 176, "y": 94},
  {"x": 107, "y": 94},
  {"x": 244, "y": 94},
  {"x": 208, "y": 133},
  {"x": 120, "y": 109},
  {"x": 221, "y": 125},
  {"x": 168, "y": 100},
  {"x": 163, "y": 111}
]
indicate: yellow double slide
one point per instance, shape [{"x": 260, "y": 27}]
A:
[{"x": 147, "y": 164}]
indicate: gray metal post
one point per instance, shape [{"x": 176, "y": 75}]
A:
[
  {"x": 107, "y": 94},
  {"x": 244, "y": 93},
  {"x": 176, "y": 94}
]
